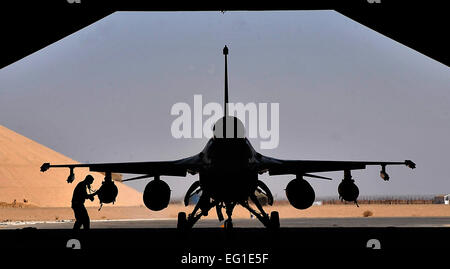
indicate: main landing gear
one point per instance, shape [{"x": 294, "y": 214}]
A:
[
  {"x": 272, "y": 222},
  {"x": 205, "y": 204}
]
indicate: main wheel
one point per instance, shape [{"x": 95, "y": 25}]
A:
[
  {"x": 181, "y": 223},
  {"x": 274, "y": 220}
]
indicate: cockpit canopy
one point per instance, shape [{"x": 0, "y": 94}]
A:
[{"x": 233, "y": 128}]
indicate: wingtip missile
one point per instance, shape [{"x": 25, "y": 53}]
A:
[
  {"x": 410, "y": 164},
  {"x": 45, "y": 167}
]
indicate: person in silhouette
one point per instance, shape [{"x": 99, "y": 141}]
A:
[{"x": 80, "y": 194}]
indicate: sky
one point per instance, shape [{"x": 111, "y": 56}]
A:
[{"x": 345, "y": 92}]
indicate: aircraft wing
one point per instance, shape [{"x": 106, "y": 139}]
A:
[
  {"x": 300, "y": 167},
  {"x": 150, "y": 169}
]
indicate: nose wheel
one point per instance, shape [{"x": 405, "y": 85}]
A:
[
  {"x": 228, "y": 224},
  {"x": 181, "y": 222},
  {"x": 274, "y": 221}
]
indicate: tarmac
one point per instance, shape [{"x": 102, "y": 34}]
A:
[
  {"x": 242, "y": 223},
  {"x": 161, "y": 241}
]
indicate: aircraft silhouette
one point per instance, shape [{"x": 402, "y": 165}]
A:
[{"x": 228, "y": 169}]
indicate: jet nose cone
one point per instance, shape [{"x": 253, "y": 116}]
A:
[{"x": 225, "y": 50}]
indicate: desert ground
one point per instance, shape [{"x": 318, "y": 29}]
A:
[{"x": 111, "y": 212}]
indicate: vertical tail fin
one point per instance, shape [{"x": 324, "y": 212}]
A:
[{"x": 225, "y": 112}]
